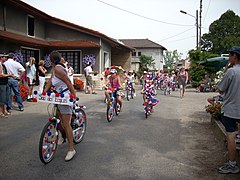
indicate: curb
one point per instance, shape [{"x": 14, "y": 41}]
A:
[{"x": 221, "y": 130}]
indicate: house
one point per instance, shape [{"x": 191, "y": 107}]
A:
[
  {"x": 27, "y": 32},
  {"x": 182, "y": 63},
  {"x": 145, "y": 47}
]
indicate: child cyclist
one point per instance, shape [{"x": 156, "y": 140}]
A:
[
  {"x": 149, "y": 91},
  {"x": 114, "y": 82},
  {"x": 130, "y": 80}
]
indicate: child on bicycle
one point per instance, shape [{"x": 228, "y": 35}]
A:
[
  {"x": 114, "y": 82},
  {"x": 149, "y": 91},
  {"x": 61, "y": 81},
  {"x": 130, "y": 80}
]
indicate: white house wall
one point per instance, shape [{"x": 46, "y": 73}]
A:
[{"x": 156, "y": 54}]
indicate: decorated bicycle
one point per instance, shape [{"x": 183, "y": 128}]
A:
[
  {"x": 113, "y": 93},
  {"x": 148, "y": 92},
  {"x": 53, "y": 132}
]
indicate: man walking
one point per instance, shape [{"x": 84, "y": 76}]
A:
[
  {"x": 89, "y": 81},
  {"x": 16, "y": 69},
  {"x": 229, "y": 87}
]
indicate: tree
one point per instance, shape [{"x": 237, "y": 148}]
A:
[
  {"x": 197, "y": 71},
  {"x": 223, "y": 33},
  {"x": 146, "y": 62},
  {"x": 171, "y": 57}
]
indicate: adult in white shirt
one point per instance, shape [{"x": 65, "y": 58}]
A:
[
  {"x": 16, "y": 69},
  {"x": 89, "y": 81},
  {"x": 31, "y": 76}
]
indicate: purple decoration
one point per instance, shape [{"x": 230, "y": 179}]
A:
[
  {"x": 35, "y": 92},
  {"x": 47, "y": 61},
  {"x": 89, "y": 58},
  {"x": 62, "y": 95},
  {"x": 18, "y": 56}
]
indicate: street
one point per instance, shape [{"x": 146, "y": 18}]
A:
[{"x": 176, "y": 142}]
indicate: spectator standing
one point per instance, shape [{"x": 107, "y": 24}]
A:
[
  {"x": 16, "y": 70},
  {"x": 31, "y": 76},
  {"x": 229, "y": 87},
  {"x": 89, "y": 81},
  {"x": 41, "y": 74},
  {"x": 70, "y": 71},
  {"x": 3, "y": 86},
  {"x": 182, "y": 81}
]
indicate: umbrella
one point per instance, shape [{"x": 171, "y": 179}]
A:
[{"x": 216, "y": 62}]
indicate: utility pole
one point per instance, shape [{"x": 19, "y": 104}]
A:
[
  {"x": 197, "y": 40},
  {"x": 200, "y": 26}
]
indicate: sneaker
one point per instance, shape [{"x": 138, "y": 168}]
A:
[
  {"x": 3, "y": 116},
  {"x": 227, "y": 168},
  {"x": 7, "y": 113},
  {"x": 29, "y": 100},
  {"x": 21, "y": 109},
  {"x": 70, "y": 155}
]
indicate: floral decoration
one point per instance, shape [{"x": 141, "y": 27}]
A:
[
  {"x": 18, "y": 56},
  {"x": 214, "y": 109},
  {"x": 47, "y": 61},
  {"x": 78, "y": 84},
  {"x": 89, "y": 58},
  {"x": 23, "y": 92}
]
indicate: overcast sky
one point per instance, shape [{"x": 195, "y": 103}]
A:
[{"x": 157, "y": 20}]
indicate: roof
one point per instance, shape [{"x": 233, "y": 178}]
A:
[
  {"x": 38, "y": 42},
  {"x": 35, "y": 12},
  {"x": 141, "y": 43}
]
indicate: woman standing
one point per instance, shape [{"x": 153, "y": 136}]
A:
[
  {"x": 41, "y": 73},
  {"x": 182, "y": 81},
  {"x": 62, "y": 83}
]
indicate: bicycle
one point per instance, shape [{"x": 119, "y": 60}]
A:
[
  {"x": 129, "y": 90},
  {"x": 148, "y": 105},
  {"x": 112, "y": 105},
  {"x": 49, "y": 137}
]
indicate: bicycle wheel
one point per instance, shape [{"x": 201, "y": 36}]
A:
[
  {"x": 145, "y": 111},
  {"x": 117, "y": 107},
  {"x": 48, "y": 142},
  {"x": 110, "y": 111},
  {"x": 128, "y": 95},
  {"x": 131, "y": 94},
  {"x": 79, "y": 126}
]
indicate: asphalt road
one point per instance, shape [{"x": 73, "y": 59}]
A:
[{"x": 176, "y": 142}]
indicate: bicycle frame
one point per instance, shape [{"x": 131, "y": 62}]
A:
[
  {"x": 112, "y": 105},
  {"x": 129, "y": 89}
]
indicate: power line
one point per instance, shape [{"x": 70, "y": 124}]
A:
[
  {"x": 181, "y": 39},
  {"x": 142, "y": 15},
  {"x": 176, "y": 34},
  {"x": 206, "y": 11}
]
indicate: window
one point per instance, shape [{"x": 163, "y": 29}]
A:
[
  {"x": 30, "y": 24},
  {"x": 73, "y": 57},
  {"x": 134, "y": 54},
  {"x": 139, "y": 54}
]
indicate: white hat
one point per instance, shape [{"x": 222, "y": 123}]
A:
[
  {"x": 113, "y": 71},
  {"x": 145, "y": 72}
]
